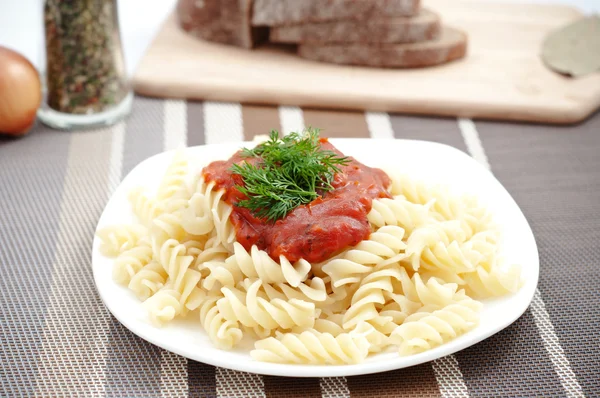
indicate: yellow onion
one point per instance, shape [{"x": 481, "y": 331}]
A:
[{"x": 20, "y": 93}]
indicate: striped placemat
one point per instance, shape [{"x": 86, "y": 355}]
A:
[{"x": 58, "y": 340}]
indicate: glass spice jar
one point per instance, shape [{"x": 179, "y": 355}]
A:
[{"x": 84, "y": 76}]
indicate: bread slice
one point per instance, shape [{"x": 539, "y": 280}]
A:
[
  {"x": 285, "y": 12},
  {"x": 451, "y": 45},
  {"x": 423, "y": 26},
  {"x": 221, "y": 21}
]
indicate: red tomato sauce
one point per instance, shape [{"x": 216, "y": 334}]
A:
[{"x": 316, "y": 231}]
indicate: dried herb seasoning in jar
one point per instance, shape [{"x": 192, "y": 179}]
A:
[{"x": 85, "y": 79}]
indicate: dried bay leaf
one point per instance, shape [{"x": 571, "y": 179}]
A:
[{"x": 574, "y": 49}]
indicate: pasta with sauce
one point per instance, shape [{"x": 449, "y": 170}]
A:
[{"x": 371, "y": 263}]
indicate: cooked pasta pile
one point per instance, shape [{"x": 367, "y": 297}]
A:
[{"x": 413, "y": 284}]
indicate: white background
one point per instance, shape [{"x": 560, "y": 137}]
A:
[{"x": 21, "y": 24}]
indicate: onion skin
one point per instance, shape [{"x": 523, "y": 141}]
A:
[{"x": 20, "y": 93}]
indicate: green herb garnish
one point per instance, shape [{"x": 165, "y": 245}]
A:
[{"x": 293, "y": 171}]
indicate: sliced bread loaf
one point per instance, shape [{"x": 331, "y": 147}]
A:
[
  {"x": 221, "y": 21},
  {"x": 423, "y": 26},
  {"x": 285, "y": 12},
  {"x": 451, "y": 45}
]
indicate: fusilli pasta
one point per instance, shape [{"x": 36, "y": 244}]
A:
[
  {"x": 224, "y": 334},
  {"x": 130, "y": 262},
  {"x": 251, "y": 310},
  {"x": 424, "y": 330},
  {"x": 383, "y": 244},
  {"x": 149, "y": 280},
  {"x": 400, "y": 212},
  {"x": 144, "y": 207},
  {"x": 410, "y": 284},
  {"x": 313, "y": 348},
  {"x": 173, "y": 183},
  {"x": 258, "y": 264},
  {"x": 116, "y": 239}
]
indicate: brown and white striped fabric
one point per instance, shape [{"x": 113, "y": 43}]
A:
[{"x": 58, "y": 340}]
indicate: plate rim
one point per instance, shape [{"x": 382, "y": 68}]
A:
[{"x": 306, "y": 370}]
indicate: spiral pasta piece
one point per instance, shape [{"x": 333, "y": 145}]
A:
[
  {"x": 312, "y": 347},
  {"x": 173, "y": 182},
  {"x": 486, "y": 244},
  {"x": 399, "y": 212},
  {"x": 116, "y": 239},
  {"x": 432, "y": 294},
  {"x": 387, "y": 297},
  {"x": 207, "y": 212},
  {"x": 221, "y": 273},
  {"x": 451, "y": 258},
  {"x": 223, "y": 333},
  {"x": 472, "y": 264},
  {"x": 165, "y": 227},
  {"x": 194, "y": 245},
  {"x": 172, "y": 256},
  {"x": 209, "y": 241},
  {"x": 171, "y": 302},
  {"x": 439, "y": 198},
  {"x": 367, "y": 297},
  {"x": 389, "y": 318},
  {"x": 338, "y": 297},
  {"x": 197, "y": 218},
  {"x": 394, "y": 283},
  {"x": 443, "y": 239},
  {"x": 258, "y": 264},
  {"x": 314, "y": 291},
  {"x": 227, "y": 274},
  {"x": 145, "y": 208},
  {"x": 190, "y": 291},
  {"x": 130, "y": 262},
  {"x": 203, "y": 259},
  {"x": 500, "y": 280},
  {"x": 331, "y": 325},
  {"x": 223, "y": 226},
  {"x": 249, "y": 309},
  {"x": 211, "y": 196},
  {"x": 383, "y": 245},
  {"x": 425, "y": 330},
  {"x": 475, "y": 218},
  {"x": 444, "y": 205},
  {"x": 149, "y": 280},
  {"x": 177, "y": 204},
  {"x": 164, "y": 306},
  {"x": 377, "y": 340}
]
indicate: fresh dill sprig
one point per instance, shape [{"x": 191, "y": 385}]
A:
[{"x": 292, "y": 171}]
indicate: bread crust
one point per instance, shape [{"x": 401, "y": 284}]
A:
[
  {"x": 285, "y": 12},
  {"x": 220, "y": 21},
  {"x": 424, "y": 26},
  {"x": 451, "y": 45}
]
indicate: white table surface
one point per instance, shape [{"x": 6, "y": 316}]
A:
[{"x": 21, "y": 24}]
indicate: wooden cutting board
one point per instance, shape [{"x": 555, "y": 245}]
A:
[{"x": 501, "y": 78}]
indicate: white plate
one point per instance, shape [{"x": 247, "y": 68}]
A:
[{"x": 429, "y": 161}]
